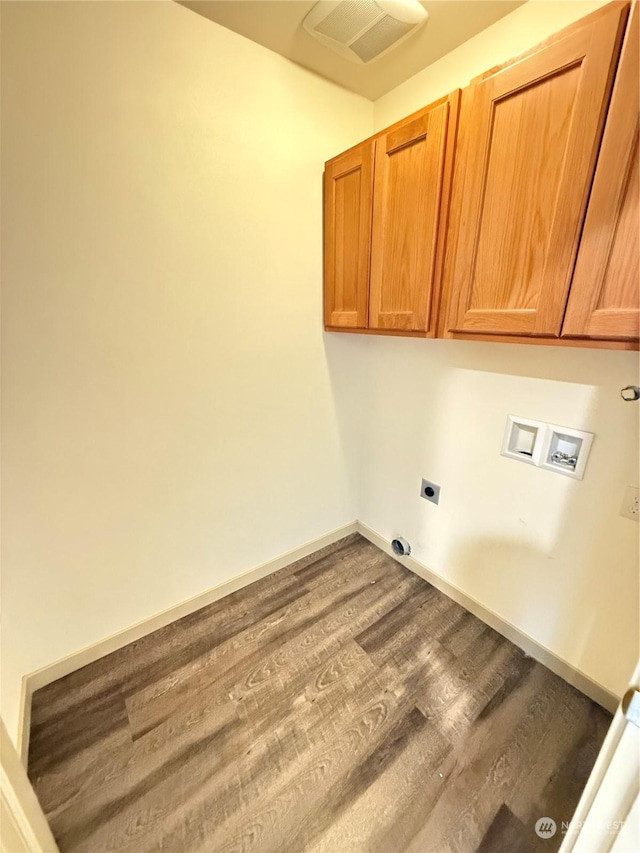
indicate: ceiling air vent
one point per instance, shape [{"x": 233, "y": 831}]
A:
[{"x": 364, "y": 30}]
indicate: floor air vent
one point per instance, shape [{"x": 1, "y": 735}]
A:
[{"x": 364, "y": 30}]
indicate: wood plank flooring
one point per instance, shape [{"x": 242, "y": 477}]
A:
[{"x": 340, "y": 705}]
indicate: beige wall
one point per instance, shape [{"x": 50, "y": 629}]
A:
[
  {"x": 548, "y": 554},
  {"x": 518, "y": 31},
  {"x": 171, "y": 416},
  {"x": 168, "y": 417}
]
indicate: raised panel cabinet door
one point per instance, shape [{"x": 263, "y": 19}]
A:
[
  {"x": 348, "y": 185},
  {"x": 532, "y": 131},
  {"x": 409, "y": 169},
  {"x": 604, "y": 301}
]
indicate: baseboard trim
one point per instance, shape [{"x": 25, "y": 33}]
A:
[
  {"x": 529, "y": 646},
  {"x": 58, "y": 669},
  {"x": 23, "y": 826},
  {"x": 24, "y": 719}
]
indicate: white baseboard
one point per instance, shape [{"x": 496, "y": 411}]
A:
[
  {"x": 529, "y": 646},
  {"x": 23, "y": 826},
  {"x": 58, "y": 669}
]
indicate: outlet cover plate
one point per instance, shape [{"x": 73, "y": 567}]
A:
[
  {"x": 430, "y": 491},
  {"x": 631, "y": 503}
]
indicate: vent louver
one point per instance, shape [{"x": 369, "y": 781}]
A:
[
  {"x": 349, "y": 19},
  {"x": 364, "y": 30}
]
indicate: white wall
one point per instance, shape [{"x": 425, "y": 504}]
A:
[
  {"x": 168, "y": 416},
  {"x": 517, "y": 32},
  {"x": 548, "y": 554}
]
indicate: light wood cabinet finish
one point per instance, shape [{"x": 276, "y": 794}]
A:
[
  {"x": 531, "y": 135},
  {"x": 386, "y": 208},
  {"x": 348, "y": 185},
  {"x": 541, "y": 227},
  {"x": 605, "y": 295},
  {"x": 409, "y": 171}
]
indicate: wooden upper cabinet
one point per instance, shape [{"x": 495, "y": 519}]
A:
[
  {"x": 407, "y": 195},
  {"x": 531, "y": 133},
  {"x": 348, "y": 185},
  {"x": 604, "y": 301},
  {"x": 386, "y": 205}
]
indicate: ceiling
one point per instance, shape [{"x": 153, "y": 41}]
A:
[{"x": 277, "y": 25}]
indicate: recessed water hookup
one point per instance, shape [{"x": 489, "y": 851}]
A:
[
  {"x": 555, "y": 448},
  {"x": 523, "y": 439},
  {"x": 566, "y": 450}
]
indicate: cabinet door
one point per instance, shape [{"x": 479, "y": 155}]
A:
[
  {"x": 604, "y": 301},
  {"x": 532, "y": 132},
  {"x": 348, "y": 184},
  {"x": 409, "y": 166}
]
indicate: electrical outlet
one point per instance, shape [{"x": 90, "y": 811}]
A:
[
  {"x": 631, "y": 503},
  {"x": 430, "y": 491}
]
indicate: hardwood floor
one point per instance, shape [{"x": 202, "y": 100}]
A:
[{"x": 340, "y": 705}]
